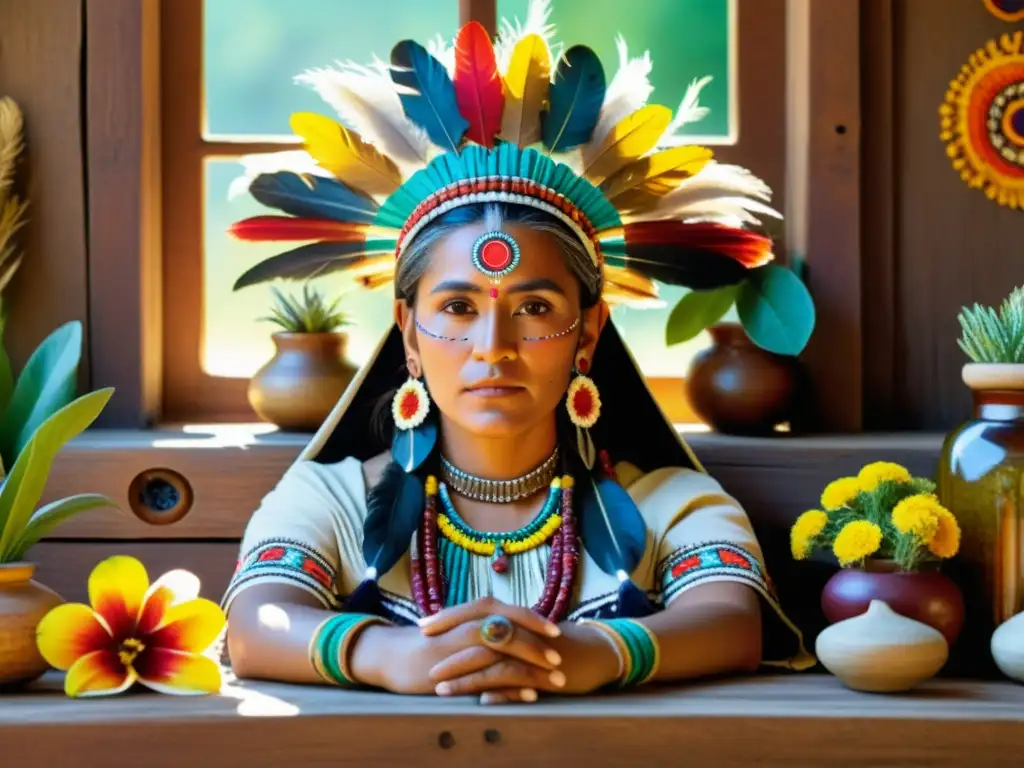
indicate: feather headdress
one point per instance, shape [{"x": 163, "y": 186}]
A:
[{"x": 446, "y": 125}]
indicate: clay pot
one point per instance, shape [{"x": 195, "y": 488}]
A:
[
  {"x": 926, "y": 596},
  {"x": 303, "y": 381},
  {"x": 738, "y": 388},
  {"x": 881, "y": 651},
  {"x": 23, "y": 603}
]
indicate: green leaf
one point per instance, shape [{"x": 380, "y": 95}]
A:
[
  {"x": 23, "y": 487},
  {"x": 776, "y": 310},
  {"x": 6, "y": 379},
  {"x": 696, "y": 311},
  {"x": 49, "y": 517},
  {"x": 46, "y": 385}
]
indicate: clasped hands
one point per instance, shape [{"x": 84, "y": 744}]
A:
[{"x": 447, "y": 654}]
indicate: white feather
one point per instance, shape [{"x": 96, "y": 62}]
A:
[
  {"x": 295, "y": 160},
  {"x": 627, "y": 92},
  {"x": 718, "y": 189},
  {"x": 443, "y": 52},
  {"x": 509, "y": 34},
  {"x": 689, "y": 110},
  {"x": 366, "y": 100}
]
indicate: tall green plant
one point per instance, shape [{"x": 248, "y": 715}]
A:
[
  {"x": 40, "y": 414},
  {"x": 994, "y": 337}
]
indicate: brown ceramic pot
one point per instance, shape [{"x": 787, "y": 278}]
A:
[
  {"x": 23, "y": 603},
  {"x": 926, "y": 596},
  {"x": 303, "y": 381},
  {"x": 736, "y": 387}
]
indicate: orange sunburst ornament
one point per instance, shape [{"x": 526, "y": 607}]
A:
[
  {"x": 411, "y": 405},
  {"x": 583, "y": 402}
]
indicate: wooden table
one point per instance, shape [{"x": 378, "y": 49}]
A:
[{"x": 798, "y": 720}]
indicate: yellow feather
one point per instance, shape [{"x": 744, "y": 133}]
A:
[
  {"x": 632, "y": 137},
  {"x": 344, "y": 153},
  {"x": 526, "y": 89},
  {"x": 641, "y": 183},
  {"x": 627, "y": 286}
]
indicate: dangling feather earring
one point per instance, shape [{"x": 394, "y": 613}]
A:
[{"x": 584, "y": 405}]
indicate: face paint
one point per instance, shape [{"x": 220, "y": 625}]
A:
[
  {"x": 570, "y": 329},
  {"x": 438, "y": 336},
  {"x": 495, "y": 254}
]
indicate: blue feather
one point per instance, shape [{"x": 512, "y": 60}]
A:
[
  {"x": 312, "y": 260},
  {"x": 314, "y": 197},
  {"x": 411, "y": 447},
  {"x": 394, "y": 509},
  {"x": 432, "y": 105},
  {"x": 612, "y": 529},
  {"x": 575, "y": 100}
]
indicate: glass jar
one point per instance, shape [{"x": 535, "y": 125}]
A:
[{"x": 981, "y": 481}]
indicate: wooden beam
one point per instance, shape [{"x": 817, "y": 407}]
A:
[
  {"x": 122, "y": 108},
  {"x": 823, "y": 203},
  {"x": 483, "y": 11}
]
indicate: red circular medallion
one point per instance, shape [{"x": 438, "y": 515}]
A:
[{"x": 496, "y": 255}]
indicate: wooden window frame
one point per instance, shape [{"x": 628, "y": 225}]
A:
[{"x": 793, "y": 53}]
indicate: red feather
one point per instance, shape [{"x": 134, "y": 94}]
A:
[
  {"x": 748, "y": 248},
  {"x": 261, "y": 228},
  {"x": 478, "y": 90}
]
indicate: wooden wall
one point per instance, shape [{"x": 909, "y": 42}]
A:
[
  {"x": 953, "y": 246},
  {"x": 40, "y": 67}
]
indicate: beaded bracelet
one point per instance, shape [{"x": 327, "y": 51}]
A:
[
  {"x": 636, "y": 646},
  {"x": 331, "y": 642}
]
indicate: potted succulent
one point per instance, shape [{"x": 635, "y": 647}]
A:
[
  {"x": 981, "y": 468},
  {"x": 748, "y": 381},
  {"x": 39, "y": 415},
  {"x": 297, "y": 388},
  {"x": 889, "y": 533}
]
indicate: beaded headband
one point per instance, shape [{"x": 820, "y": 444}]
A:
[{"x": 500, "y": 122}]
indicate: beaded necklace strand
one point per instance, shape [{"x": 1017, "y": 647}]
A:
[{"x": 428, "y": 583}]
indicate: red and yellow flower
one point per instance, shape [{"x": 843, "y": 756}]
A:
[
  {"x": 583, "y": 402},
  {"x": 134, "y": 632},
  {"x": 411, "y": 405}
]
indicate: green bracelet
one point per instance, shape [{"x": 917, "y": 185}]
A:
[
  {"x": 637, "y": 647},
  {"x": 331, "y": 643}
]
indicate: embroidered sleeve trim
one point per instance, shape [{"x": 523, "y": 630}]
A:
[
  {"x": 284, "y": 561},
  {"x": 711, "y": 561}
]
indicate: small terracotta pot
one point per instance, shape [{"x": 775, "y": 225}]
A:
[
  {"x": 23, "y": 603},
  {"x": 926, "y": 596},
  {"x": 736, "y": 387},
  {"x": 303, "y": 381}
]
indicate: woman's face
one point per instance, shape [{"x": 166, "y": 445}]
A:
[{"x": 497, "y": 366}]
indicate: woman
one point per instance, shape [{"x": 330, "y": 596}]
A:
[{"x": 536, "y": 526}]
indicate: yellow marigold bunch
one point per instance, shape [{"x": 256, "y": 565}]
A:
[
  {"x": 876, "y": 473},
  {"x": 946, "y": 541},
  {"x": 917, "y": 515},
  {"x": 839, "y": 493},
  {"x": 857, "y": 540},
  {"x": 805, "y": 529}
]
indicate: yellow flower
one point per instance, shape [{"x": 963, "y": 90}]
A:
[
  {"x": 857, "y": 540},
  {"x": 839, "y": 493},
  {"x": 946, "y": 541},
  {"x": 133, "y": 631},
  {"x": 873, "y": 475},
  {"x": 806, "y": 527},
  {"x": 917, "y": 515}
]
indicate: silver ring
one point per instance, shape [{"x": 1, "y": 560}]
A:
[{"x": 497, "y": 630}]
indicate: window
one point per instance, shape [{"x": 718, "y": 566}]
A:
[{"x": 227, "y": 73}]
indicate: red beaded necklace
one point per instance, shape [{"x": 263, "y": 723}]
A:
[{"x": 428, "y": 580}]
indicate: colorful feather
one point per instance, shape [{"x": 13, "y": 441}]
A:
[
  {"x": 613, "y": 531},
  {"x": 510, "y": 35},
  {"x": 478, "y": 89},
  {"x": 627, "y": 92},
  {"x": 295, "y": 160},
  {"x": 312, "y": 260},
  {"x": 574, "y": 100},
  {"x": 627, "y": 287},
  {"x": 689, "y": 110},
  {"x": 394, "y": 508},
  {"x": 641, "y": 184},
  {"x": 368, "y": 102},
  {"x": 427, "y": 94},
  {"x": 411, "y": 447},
  {"x": 346, "y": 155},
  {"x": 631, "y": 138},
  {"x": 749, "y": 249},
  {"x": 312, "y": 197},
  {"x": 283, "y": 228},
  {"x": 713, "y": 183},
  {"x": 526, "y": 88}
]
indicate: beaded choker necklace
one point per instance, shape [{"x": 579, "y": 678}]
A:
[{"x": 499, "y": 491}]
